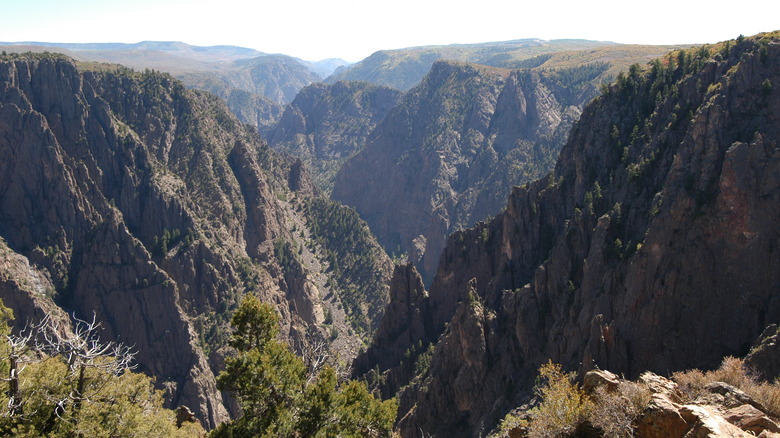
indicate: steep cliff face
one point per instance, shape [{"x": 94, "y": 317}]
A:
[
  {"x": 403, "y": 336},
  {"x": 126, "y": 195},
  {"x": 652, "y": 245},
  {"x": 327, "y": 124},
  {"x": 447, "y": 154}
]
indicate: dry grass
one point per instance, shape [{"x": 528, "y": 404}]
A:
[
  {"x": 512, "y": 426},
  {"x": 565, "y": 408},
  {"x": 691, "y": 383},
  {"x": 614, "y": 412},
  {"x": 732, "y": 371}
]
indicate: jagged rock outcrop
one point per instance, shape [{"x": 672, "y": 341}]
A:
[
  {"x": 447, "y": 154},
  {"x": 327, "y": 124},
  {"x": 667, "y": 416},
  {"x": 127, "y": 195},
  {"x": 652, "y": 245},
  {"x": 764, "y": 356},
  {"x": 404, "y": 333},
  {"x": 25, "y": 288}
]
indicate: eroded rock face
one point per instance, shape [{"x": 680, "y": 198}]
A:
[
  {"x": 327, "y": 124},
  {"x": 446, "y": 156},
  {"x": 404, "y": 325},
  {"x": 127, "y": 195},
  {"x": 653, "y": 245}
]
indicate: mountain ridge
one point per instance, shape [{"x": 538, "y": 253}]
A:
[
  {"x": 327, "y": 124},
  {"x": 405, "y": 68}
]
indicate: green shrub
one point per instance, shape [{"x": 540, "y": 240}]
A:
[
  {"x": 512, "y": 426},
  {"x": 281, "y": 395}
]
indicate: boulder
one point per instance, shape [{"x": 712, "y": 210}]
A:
[
  {"x": 595, "y": 378},
  {"x": 750, "y": 419},
  {"x": 661, "y": 419},
  {"x": 707, "y": 423},
  {"x": 661, "y": 385},
  {"x": 732, "y": 396}
]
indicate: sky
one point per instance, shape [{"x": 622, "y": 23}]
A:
[{"x": 352, "y": 30}]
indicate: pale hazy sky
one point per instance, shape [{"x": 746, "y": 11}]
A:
[{"x": 352, "y": 30}]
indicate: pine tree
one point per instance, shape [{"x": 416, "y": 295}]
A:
[{"x": 281, "y": 397}]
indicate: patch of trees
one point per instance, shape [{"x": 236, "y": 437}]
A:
[
  {"x": 283, "y": 395},
  {"x": 575, "y": 78},
  {"x": 354, "y": 261},
  {"x": 533, "y": 62}
]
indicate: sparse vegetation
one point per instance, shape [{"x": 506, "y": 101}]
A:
[
  {"x": 358, "y": 267},
  {"x": 732, "y": 371},
  {"x": 564, "y": 410},
  {"x": 564, "y": 405},
  {"x": 614, "y": 412},
  {"x": 63, "y": 383}
]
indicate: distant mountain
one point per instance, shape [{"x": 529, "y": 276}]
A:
[
  {"x": 405, "y": 68},
  {"x": 276, "y": 77},
  {"x": 327, "y": 124},
  {"x": 254, "y": 84},
  {"x": 325, "y": 67},
  {"x": 168, "y": 56}
]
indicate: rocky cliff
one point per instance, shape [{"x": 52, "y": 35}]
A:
[
  {"x": 447, "y": 154},
  {"x": 251, "y": 108},
  {"x": 128, "y": 196},
  {"x": 651, "y": 246},
  {"x": 327, "y": 124}
]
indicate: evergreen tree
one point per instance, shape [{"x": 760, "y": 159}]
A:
[{"x": 280, "y": 397}]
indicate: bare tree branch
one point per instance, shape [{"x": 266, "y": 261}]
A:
[{"x": 81, "y": 350}]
